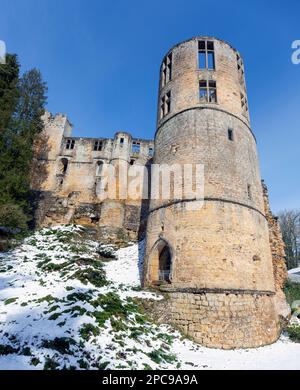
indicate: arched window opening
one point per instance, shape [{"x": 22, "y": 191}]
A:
[
  {"x": 165, "y": 262},
  {"x": 64, "y": 165},
  {"x": 99, "y": 168}
]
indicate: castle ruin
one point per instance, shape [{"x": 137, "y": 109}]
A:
[{"x": 222, "y": 265}]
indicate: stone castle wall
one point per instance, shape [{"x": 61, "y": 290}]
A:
[
  {"x": 70, "y": 195},
  {"x": 227, "y": 255},
  {"x": 221, "y": 280},
  {"x": 226, "y": 320}
]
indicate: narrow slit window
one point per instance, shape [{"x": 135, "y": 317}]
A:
[
  {"x": 168, "y": 102},
  {"x": 151, "y": 152},
  {"x": 230, "y": 135},
  {"x": 162, "y": 107},
  {"x": 249, "y": 190},
  {"x": 122, "y": 141}
]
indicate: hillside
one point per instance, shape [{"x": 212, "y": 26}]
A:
[{"x": 67, "y": 302}]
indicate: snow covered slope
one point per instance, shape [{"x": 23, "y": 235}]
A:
[{"x": 65, "y": 302}]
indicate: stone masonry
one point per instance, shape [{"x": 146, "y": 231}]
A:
[{"x": 222, "y": 264}]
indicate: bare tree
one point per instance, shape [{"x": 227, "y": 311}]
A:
[{"x": 290, "y": 227}]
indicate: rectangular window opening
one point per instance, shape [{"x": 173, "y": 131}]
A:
[
  {"x": 98, "y": 146},
  {"x": 206, "y": 55},
  {"x": 136, "y": 148},
  {"x": 211, "y": 60},
  {"x": 70, "y": 144},
  {"x": 165, "y": 106},
  {"x": 166, "y": 74},
  {"x": 249, "y": 190},
  {"x": 230, "y": 135}
]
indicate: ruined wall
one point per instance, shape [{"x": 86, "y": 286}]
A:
[
  {"x": 278, "y": 258},
  {"x": 67, "y": 191}
]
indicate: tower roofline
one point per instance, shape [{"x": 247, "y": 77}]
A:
[{"x": 198, "y": 37}]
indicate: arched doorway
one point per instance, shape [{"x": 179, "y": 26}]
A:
[
  {"x": 165, "y": 262},
  {"x": 160, "y": 263}
]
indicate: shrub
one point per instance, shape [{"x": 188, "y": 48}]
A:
[
  {"x": 294, "y": 333},
  {"x": 13, "y": 217},
  {"x": 292, "y": 292}
]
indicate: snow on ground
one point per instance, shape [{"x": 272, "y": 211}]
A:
[
  {"x": 294, "y": 275},
  {"x": 65, "y": 302}
]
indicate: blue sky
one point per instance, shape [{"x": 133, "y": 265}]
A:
[{"x": 101, "y": 61}]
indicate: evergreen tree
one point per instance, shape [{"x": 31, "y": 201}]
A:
[{"x": 22, "y": 102}]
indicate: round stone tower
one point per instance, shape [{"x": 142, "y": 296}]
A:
[{"x": 215, "y": 261}]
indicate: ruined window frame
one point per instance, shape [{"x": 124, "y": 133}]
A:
[
  {"x": 150, "y": 151},
  {"x": 165, "y": 105},
  {"x": 244, "y": 104},
  {"x": 136, "y": 148},
  {"x": 205, "y": 50},
  {"x": 98, "y": 146},
  {"x": 70, "y": 144},
  {"x": 166, "y": 70},
  {"x": 208, "y": 89}
]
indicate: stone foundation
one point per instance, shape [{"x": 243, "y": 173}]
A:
[{"x": 226, "y": 320}]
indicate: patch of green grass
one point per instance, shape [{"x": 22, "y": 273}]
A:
[
  {"x": 88, "y": 330},
  {"x": 159, "y": 356},
  {"x": 102, "y": 366},
  {"x": 54, "y": 316},
  {"x": 50, "y": 364},
  {"x": 52, "y": 309},
  {"x": 135, "y": 333},
  {"x": 52, "y": 267},
  {"x": 294, "y": 333},
  {"x": 147, "y": 367},
  {"x": 80, "y": 296},
  {"x": 26, "y": 351},
  {"x": 83, "y": 364},
  {"x": 59, "y": 344},
  {"x": 35, "y": 361},
  {"x": 76, "y": 311},
  {"x": 10, "y": 300},
  {"x": 166, "y": 338},
  {"x": 7, "y": 349},
  {"x": 48, "y": 299},
  {"x": 292, "y": 292},
  {"x": 95, "y": 277}
]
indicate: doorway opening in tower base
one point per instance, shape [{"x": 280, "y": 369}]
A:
[{"x": 161, "y": 263}]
